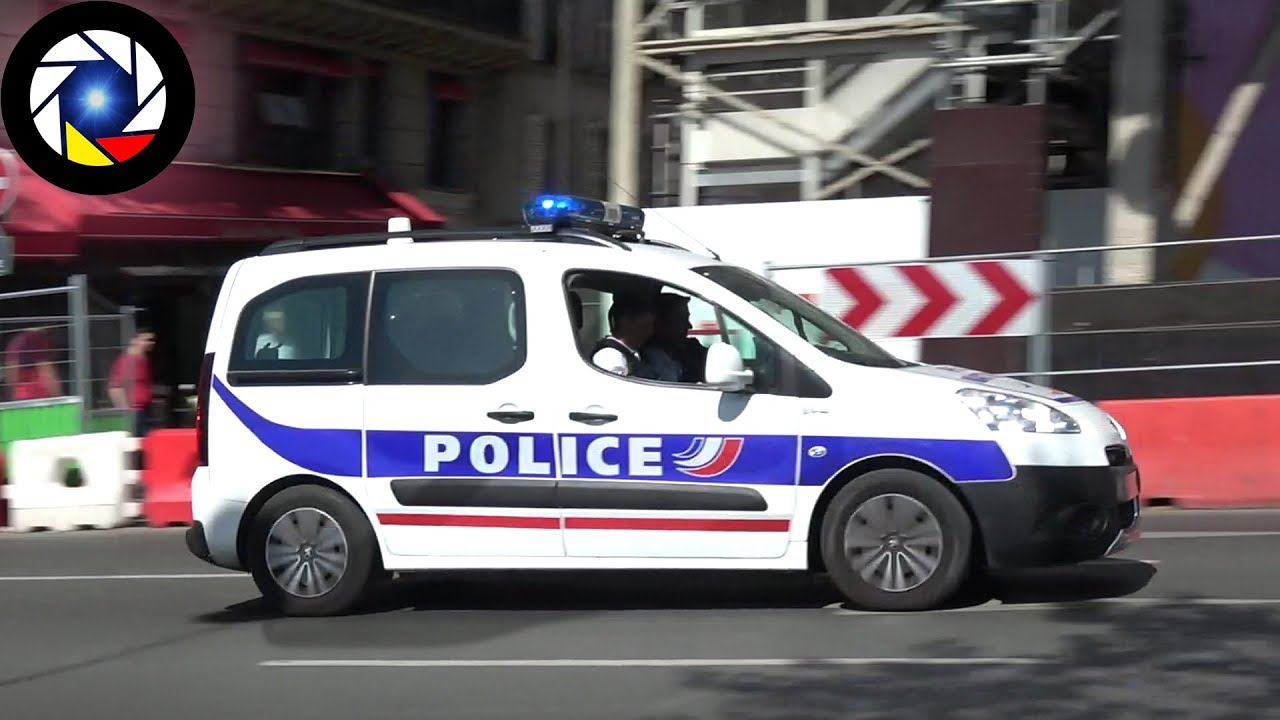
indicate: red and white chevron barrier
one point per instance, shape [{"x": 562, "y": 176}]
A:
[{"x": 945, "y": 299}]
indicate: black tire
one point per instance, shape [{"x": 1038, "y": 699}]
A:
[
  {"x": 362, "y": 544},
  {"x": 953, "y": 567}
]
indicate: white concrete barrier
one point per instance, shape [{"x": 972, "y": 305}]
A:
[
  {"x": 37, "y": 492},
  {"x": 132, "y": 478}
]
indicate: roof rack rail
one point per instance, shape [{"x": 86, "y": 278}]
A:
[
  {"x": 387, "y": 237},
  {"x": 326, "y": 242},
  {"x": 551, "y": 218}
]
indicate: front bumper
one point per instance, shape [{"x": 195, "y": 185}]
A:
[{"x": 1057, "y": 515}]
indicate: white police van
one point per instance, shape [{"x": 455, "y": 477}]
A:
[{"x": 379, "y": 404}]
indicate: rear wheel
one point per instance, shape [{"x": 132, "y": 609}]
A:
[
  {"x": 896, "y": 540},
  {"x": 312, "y": 552}
]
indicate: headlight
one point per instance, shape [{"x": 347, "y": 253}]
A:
[{"x": 1008, "y": 413}]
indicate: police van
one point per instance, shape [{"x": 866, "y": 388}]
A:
[{"x": 418, "y": 401}]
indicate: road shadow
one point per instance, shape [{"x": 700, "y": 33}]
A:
[
  {"x": 493, "y": 604},
  {"x": 463, "y": 608},
  {"x": 1171, "y": 661},
  {"x": 1098, "y": 580}
]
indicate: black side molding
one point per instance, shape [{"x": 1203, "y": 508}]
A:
[
  {"x": 642, "y": 495},
  {"x": 574, "y": 494},
  {"x": 475, "y": 492}
]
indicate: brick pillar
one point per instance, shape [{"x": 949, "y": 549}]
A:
[
  {"x": 348, "y": 118},
  {"x": 406, "y": 125},
  {"x": 988, "y": 193}
]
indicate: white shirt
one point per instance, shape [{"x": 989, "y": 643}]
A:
[
  {"x": 612, "y": 359},
  {"x": 284, "y": 347}
]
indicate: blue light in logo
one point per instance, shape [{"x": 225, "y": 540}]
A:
[{"x": 97, "y": 99}]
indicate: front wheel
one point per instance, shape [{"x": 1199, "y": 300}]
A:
[
  {"x": 896, "y": 540},
  {"x": 311, "y": 552}
]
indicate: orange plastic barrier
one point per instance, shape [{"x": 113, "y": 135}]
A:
[
  {"x": 1206, "y": 452},
  {"x": 169, "y": 459}
]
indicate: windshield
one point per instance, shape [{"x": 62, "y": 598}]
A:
[{"x": 800, "y": 317}]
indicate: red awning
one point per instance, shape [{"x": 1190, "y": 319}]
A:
[{"x": 207, "y": 202}]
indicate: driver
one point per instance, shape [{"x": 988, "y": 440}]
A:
[{"x": 673, "y": 355}]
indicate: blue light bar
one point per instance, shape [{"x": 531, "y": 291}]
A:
[{"x": 569, "y": 210}]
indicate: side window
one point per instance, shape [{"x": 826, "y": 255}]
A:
[
  {"x": 446, "y": 327},
  {"x": 684, "y": 326},
  {"x": 758, "y": 352},
  {"x": 310, "y": 324},
  {"x": 806, "y": 330}
]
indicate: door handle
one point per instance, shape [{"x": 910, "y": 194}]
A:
[
  {"x": 592, "y": 418},
  {"x": 511, "y": 417}
]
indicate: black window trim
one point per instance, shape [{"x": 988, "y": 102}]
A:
[
  {"x": 805, "y": 382},
  {"x": 522, "y": 326},
  {"x": 303, "y": 376}
]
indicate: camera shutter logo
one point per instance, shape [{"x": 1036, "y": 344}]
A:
[
  {"x": 83, "y": 94},
  {"x": 106, "y": 98}
]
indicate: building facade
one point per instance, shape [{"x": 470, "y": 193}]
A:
[
  {"x": 324, "y": 117},
  {"x": 461, "y": 106}
]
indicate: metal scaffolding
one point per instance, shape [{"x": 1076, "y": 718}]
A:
[{"x": 767, "y": 106}]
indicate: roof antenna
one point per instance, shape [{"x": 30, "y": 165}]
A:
[{"x": 399, "y": 225}]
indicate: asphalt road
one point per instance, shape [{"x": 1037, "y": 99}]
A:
[{"x": 113, "y": 624}]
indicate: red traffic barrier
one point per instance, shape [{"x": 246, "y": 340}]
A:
[
  {"x": 1214, "y": 452},
  {"x": 169, "y": 459}
]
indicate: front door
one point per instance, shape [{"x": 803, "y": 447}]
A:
[
  {"x": 461, "y": 461},
  {"x": 671, "y": 469}
]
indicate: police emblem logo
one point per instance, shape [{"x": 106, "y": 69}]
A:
[{"x": 98, "y": 98}]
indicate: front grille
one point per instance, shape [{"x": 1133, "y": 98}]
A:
[{"x": 1118, "y": 456}]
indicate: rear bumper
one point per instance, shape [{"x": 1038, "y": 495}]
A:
[
  {"x": 196, "y": 543},
  {"x": 1056, "y": 515},
  {"x": 214, "y": 534}
]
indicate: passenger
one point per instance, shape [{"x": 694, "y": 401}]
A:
[
  {"x": 274, "y": 343},
  {"x": 631, "y": 319},
  {"x": 673, "y": 355}
]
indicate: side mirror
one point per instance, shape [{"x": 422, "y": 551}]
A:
[{"x": 724, "y": 368}]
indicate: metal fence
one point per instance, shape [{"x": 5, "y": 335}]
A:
[
  {"x": 59, "y": 347},
  {"x": 1167, "y": 338}
]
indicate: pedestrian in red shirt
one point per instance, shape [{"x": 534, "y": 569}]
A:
[
  {"x": 29, "y": 360},
  {"x": 130, "y": 385}
]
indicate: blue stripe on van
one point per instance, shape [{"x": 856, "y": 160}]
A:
[
  {"x": 321, "y": 451},
  {"x": 961, "y": 460},
  {"x": 760, "y": 459}
]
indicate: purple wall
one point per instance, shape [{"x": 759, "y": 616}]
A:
[{"x": 1221, "y": 39}]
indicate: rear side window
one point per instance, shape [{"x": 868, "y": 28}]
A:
[
  {"x": 446, "y": 327},
  {"x": 310, "y": 324}
]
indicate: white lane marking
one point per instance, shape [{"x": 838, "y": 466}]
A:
[
  {"x": 172, "y": 576},
  {"x": 1179, "y": 534},
  {"x": 996, "y": 606},
  {"x": 676, "y": 662}
]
